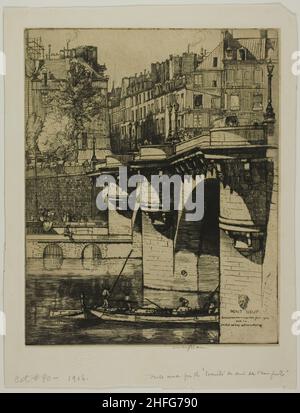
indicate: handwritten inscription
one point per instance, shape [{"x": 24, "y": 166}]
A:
[
  {"x": 45, "y": 378},
  {"x": 205, "y": 373}
]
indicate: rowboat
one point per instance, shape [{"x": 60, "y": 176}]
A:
[
  {"x": 67, "y": 313},
  {"x": 140, "y": 317}
]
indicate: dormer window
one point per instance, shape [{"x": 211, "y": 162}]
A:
[{"x": 242, "y": 54}]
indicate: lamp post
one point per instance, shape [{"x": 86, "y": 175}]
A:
[
  {"x": 136, "y": 136},
  {"x": 170, "y": 107},
  {"x": 270, "y": 115},
  {"x": 176, "y": 109},
  {"x": 130, "y": 136}
]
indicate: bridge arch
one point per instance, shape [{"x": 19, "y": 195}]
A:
[
  {"x": 53, "y": 256},
  {"x": 90, "y": 256}
]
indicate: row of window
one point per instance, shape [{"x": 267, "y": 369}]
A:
[
  {"x": 158, "y": 105},
  {"x": 158, "y": 128},
  {"x": 241, "y": 54},
  {"x": 246, "y": 76},
  {"x": 139, "y": 98},
  {"x": 200, "y": 120},
  {"x": 250, "y": 102},
  {"x": 232, "y": 76}
]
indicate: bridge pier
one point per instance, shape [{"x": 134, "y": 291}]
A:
[{"x": 180, "y": 257}]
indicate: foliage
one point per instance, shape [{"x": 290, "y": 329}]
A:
[
  {"x": 77, "y": 99},
  {"x": 55, "y": 141}
]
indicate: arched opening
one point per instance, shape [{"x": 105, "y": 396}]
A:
[
  {"x": 90, "y": 256},
  {"x": 53, "y": 257}
]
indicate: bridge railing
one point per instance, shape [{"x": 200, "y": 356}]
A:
[
  {"x": 226, "y": 136},
  {"x": 238, "y": 136}
]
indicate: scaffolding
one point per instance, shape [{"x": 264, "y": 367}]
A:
[{"x": 34, "y": 47}]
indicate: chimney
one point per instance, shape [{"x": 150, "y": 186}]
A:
[
  {"x": 263, "y": 34},
  {"x": 49, "y": 51}
]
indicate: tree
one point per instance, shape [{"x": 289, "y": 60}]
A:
[
  {"x": 77, "y": 99},
  {"x": 54, "y": 141},
  {"x": 34, "y": 126}
]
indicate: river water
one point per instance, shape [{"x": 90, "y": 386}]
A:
[{"x": 56, "y": 292}]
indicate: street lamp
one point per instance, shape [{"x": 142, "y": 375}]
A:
[
  {"x": 176, "y": 109},
  {"x": 136, "y": 125},
  {"x": 130, "y": 135},
  {"x": 94, "y": 157},
  {"x": 170, "y": 107},
  {"x": 270, "y": 115}
]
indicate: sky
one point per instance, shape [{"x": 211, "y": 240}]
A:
[{"x": 129, "y": 51}]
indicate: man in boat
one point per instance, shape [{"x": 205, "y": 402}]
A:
[
  {"x": 83, "y": 302},
  {"x": 105, "y": 295},
  {"x": 212, "y": 308},
  {"x": 184, "y": 305},
  {"x": 128, "y": 302}
]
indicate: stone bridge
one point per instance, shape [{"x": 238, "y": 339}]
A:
[
  {"x": 230, "y": 252},
  {"x": 233, "y": 249}
]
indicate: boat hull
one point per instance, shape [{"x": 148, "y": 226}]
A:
[
  {"x": 154, "y": 318},
  {"x": 77, "y": 314}
]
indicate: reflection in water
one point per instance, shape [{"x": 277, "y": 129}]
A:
[
  {"x": 46, "y": 293},
  {"x": 91, "y": 256},
  {"x": 52, "y": 263},
  {"x": 53, "y": 257}
]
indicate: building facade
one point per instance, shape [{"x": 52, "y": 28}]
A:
[{"x": 186, "y": 95}]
